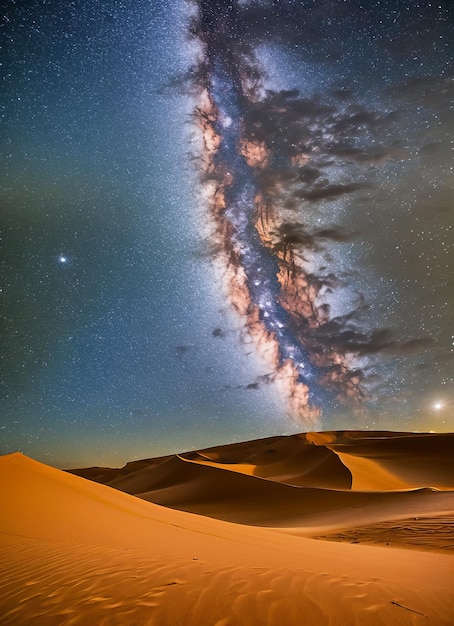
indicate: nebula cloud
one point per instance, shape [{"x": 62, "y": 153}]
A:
[{"x": 269, "y": 156}]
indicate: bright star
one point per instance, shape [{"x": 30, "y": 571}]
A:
[
  {"x": 438, "y": 405},
  {"x": 62, "y": 259}
]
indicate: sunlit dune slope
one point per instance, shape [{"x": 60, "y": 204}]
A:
[{"x": 74, "y": 552}]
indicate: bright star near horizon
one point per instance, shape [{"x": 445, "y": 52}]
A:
[{"x": 438, "y": 406}]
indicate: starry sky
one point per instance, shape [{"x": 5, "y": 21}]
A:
[{"x": 222, "y": 221}]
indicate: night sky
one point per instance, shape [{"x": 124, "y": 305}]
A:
[{"x": 223, "y": 221}]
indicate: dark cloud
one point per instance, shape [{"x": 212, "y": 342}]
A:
[
  {"x": 206, "y": 250},
  {"x": 329, "y": 191},
  {"x": 308, "y": 174},
  {"x": 272, "y": 177},
  {"x": 357, "y": 118},
  {"x": 186, "y": 83},
  {"x": 351, "y": 341},
  {"x": 284, "y": 112},
  {"x": 335, "y": 233},
  {"x": 181, "y": 350},
  {"x": 342, "y": 93},
  {"x": 218, "y": 333},
  {"x": 264, "y": 379},
  {"x": 285, "y": 121},
  {"x": 433, "y": 92},
  {"x": 249, "y": 387},
  {"x": 342, "y": 336},
  {"x": 295, "y": 234},
  {"x": 431, "y": 149},
  {"x": 292, "y": 234},
  {"x": 290, "y": 125},
  {"x": 373, "y": 155},
  {"x": 324, "y": 281},
  {"x": 412, "y": 346}
]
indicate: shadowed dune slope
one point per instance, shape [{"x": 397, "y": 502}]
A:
[
  {"x": 293, "y": 460},
  {"x": 76, "y": 553},
  {"x": 400, "y": 461},
  {"x": 105, "y": 475}
]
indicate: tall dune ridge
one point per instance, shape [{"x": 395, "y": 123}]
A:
[{"x": 334, "y": 528}]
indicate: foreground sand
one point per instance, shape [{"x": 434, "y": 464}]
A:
[{"x": 77, "y": 552}]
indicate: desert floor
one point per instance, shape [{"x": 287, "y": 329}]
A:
[{"x": 332, "y": 528}]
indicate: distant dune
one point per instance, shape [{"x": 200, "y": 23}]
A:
[
  {"x": 315, "y": 482},
  {"x": 245, "y": 547}
]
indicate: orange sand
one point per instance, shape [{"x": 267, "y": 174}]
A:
[{"x": 77, "y": 552}]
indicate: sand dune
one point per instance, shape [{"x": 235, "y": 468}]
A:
[
  {"x": 77, "y": 552},
  {"x": 186, "y": 485},
  {"x": 310, "y": 483},
  {"x": 292, "y": 460},
  {"x": 378, "y": 461},
  {"x": 357, "y": 460}
]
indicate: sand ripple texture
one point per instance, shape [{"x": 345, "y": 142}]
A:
[{"x": 54, "y": 584}]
